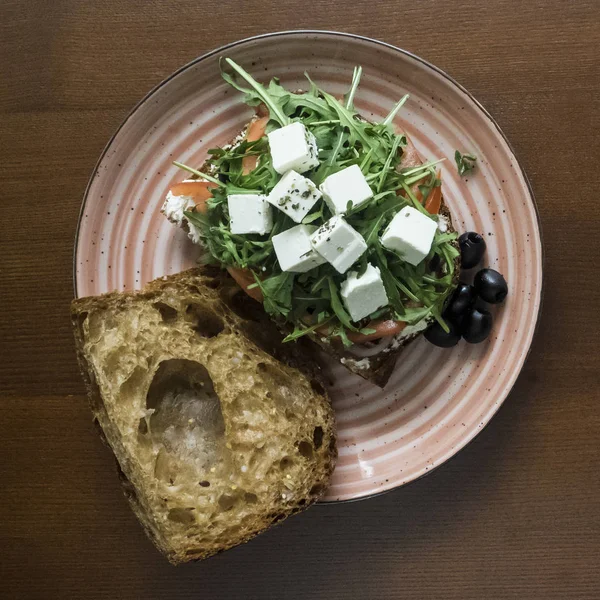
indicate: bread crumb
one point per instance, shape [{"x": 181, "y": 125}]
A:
[
  {"x": 244, "y": 468},
  {"x": 234, "y": 487},
  {"x": 212, "y": 469},
  {"x": 288, "y": 476}
]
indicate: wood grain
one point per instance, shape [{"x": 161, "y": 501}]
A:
[{"x": 515, "y": 515}]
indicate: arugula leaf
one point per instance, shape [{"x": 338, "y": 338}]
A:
[
  {"x": 275, "y": 110},
  {"x": 368, "y": 331},
  {"x": 338, "y": 307},
  {"x": 300, "y": 331},
  {"x": 392, "y": 114},
  {"x": 388, "y": 281},
  {"x": 277, "y": 292},
  {"x": 204, "y": 176},
  {"x": 341, "y": 333},
  {"x": 355, "y": 81},
  {"x": 464, "y": 162},
  {"x": 388, "y": 162}
]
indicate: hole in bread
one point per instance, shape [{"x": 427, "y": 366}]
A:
[
  {"x": 285, "y": 463},
  {"x": 227, "y": 502},
  {"x": 316, "y": 490},
  {"x": 182, "y": 515},
  {"x": 305, "y": 448},
  {"x": 250, "y": 498},
  {"x": 204, "y": 483},
  {"x": 100, "y": 323},
  {"x": 187, "y": 423},
  {"x": 143, "y": 426},
  {"x": 204, "y": 321},
  {"x": 277, "y": 518},
  {"x": 167, "y": 313},
  {"x": 318, "y": 437},
  {"x": 301, "y": 502}
]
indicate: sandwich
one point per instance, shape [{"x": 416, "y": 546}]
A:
[
  {"x": 333, "y": 223},
  {"x": 219, "y": 430}
]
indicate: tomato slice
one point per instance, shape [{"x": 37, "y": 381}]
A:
[
  {"x": 256, "y": 130},
  {"x": 244, "y": 278},
  {"x": 434, "y": 200},
  {"x": 382, "y": 329},
  {"x": 199, "y": 191}
]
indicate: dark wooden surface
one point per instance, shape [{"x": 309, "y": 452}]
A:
[{"x": 515, "y": 515}]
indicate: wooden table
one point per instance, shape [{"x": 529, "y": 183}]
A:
[{"x": 515, "y": 515}]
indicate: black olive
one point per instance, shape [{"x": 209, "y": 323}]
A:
[
  {"x": 438, "y": 337},
  {"x": 490, "y": 286},
  {"x": 472, "y": 249},
  {"x": 461, "y": 301},
  {"x": 477, "y": 326}
]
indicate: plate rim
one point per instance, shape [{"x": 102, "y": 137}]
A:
[{"x": 424, "y": 62}]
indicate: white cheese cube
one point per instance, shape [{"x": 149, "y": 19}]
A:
[
  {"x": 249, "y": 213},
  {"x": 295, "y": 195},
  {"x": 294, "y": 251},
  {"x": 293, "y": 147},
  {"x": 410, "y": 234},
  {"x": 347, "y": 185},
  {"x": 363, "y": 295},
  {"x": 339, "y": 243}
]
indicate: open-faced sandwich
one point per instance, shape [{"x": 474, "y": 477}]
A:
[{"x": 333, "y": 222}]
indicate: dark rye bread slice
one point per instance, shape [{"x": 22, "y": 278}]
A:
[
  {"x": 215, "y": 438},
  {"x": 378, "y": 367}
]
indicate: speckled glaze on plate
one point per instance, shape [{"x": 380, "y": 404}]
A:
[{"x": 437, "y": 400}]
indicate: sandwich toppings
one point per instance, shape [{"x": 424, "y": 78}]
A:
[{"x": 323, "y": 216}]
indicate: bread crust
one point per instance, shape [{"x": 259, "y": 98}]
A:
[{"x": 263, "y": 450}]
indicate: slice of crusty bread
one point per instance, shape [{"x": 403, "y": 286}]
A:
[{"x": 215, "y": 438}]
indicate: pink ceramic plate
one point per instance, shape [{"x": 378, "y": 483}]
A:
[{"x": 437, "y": 400}]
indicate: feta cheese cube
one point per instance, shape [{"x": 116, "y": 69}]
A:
[
  {"x": 363, "y": 295},
  {"x": 410, "y": 234},
  {"x": 295, "y": 195},
  {"x": 249, "y": 213},
  {"x": 294, "y": 251},
  {"x": 293, "y": 147},
  {"x": 347, "y": 185},
  {"x": 339, "y": 243}
]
